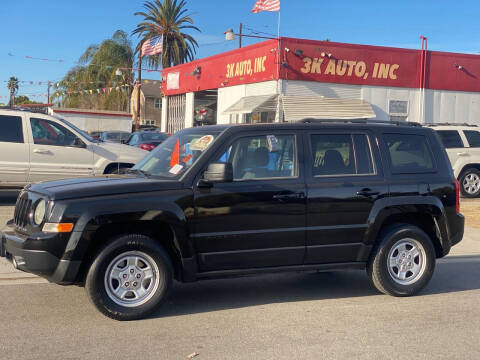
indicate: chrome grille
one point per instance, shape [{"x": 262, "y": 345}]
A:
[{"x": 22, "y": 209}]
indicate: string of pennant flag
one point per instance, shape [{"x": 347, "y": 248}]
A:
[
  {"x": 57, "y": 83},
  {"x": 102, "y": 90}
]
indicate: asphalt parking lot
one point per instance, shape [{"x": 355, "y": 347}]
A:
[{"x": 331, "y": 315}]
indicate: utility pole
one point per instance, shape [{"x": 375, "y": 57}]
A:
[
  {"x": 49, "y": 84},
  {"x": 139, "y": 84},
  {"x": 240, "y": 36}
]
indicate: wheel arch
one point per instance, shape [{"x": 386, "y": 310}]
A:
[
  {"x": 426, "y": 213},
  {"x": 165, "y": 224}
]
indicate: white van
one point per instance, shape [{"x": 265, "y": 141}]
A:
[{"x": 37, "y": 147}]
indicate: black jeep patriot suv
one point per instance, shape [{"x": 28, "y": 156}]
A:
[{"x": 218, "y": 201}]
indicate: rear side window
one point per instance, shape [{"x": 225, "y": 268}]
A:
[
  {"x": 450, "y": 138},
  {"x": 11, "y": 129},
  {"x": 409, "y": 154},
  {"x": 473, "y": 137},
  {"x": 341, "y": 154}
]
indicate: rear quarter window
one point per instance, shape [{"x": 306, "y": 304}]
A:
[
  {"x": 450, "y": 138},
  {"x": 473, "y": 137},
  {"x": 11, "y": 129},
  {"x": 409, "y": 153}
]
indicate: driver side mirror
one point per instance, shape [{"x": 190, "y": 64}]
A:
[{"x": 217, "y": 172}]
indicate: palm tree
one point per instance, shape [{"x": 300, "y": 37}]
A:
[
  {"x": 97, "y": 69},
  {"x": 167, "y": 18},
  {"x": 13, "y": 88}
]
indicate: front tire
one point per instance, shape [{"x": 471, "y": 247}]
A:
[
  {"x": 403, "y": 261},
  {"x": 129, "y": 278},
  {"x": 470, "y": 183}
]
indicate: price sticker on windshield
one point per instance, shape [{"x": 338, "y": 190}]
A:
[{"x": 175, "y": 170}]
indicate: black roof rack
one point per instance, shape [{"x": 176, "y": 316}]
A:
[
  {"x": 452, "y": 124},
  {"x": 359, "y": 121}
]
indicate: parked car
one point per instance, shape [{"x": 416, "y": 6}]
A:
[
  {"x": 37, "y": 147},
  {"x": 219, "y": 201},
  {"x": 115, "y": 136},
  {"x": 462, "y": 142},
  {"x": 95, "y": 134},
  {"x": 146, "y": 140}
]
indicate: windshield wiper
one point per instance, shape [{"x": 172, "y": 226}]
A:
[{"x": 138, "y": 171}]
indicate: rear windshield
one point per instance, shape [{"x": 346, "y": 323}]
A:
[{"x": 409, "y": 154}]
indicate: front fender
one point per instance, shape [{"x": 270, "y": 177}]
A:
[{"x": 169, "y": 208}]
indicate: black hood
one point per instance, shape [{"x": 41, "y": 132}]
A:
[{"x": 99, "y": 186}]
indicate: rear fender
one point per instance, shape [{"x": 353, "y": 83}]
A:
[{"x": 388, "y": 207}]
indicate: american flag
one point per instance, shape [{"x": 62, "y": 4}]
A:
[
  {"x": 266, "y": 5},
  {"x": 152, "y": 46}
]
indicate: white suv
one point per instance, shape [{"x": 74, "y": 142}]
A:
[
  {"x": 462, "y": 142},
  {"x": 38, "y": 147}
]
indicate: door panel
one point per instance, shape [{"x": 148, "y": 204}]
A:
[
  {"x": 14, "y": 157},
  {"x": 343, "y": 184},
  {"x": 258, "y": 220},
  {"x": 55, "y": 153}
]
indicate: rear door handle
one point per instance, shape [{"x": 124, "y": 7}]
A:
[
  {"x": 289, "y": 196},
  {"x": 41, "y": 151},
  {"x": 367, "y": 192},
  {"x": 462, "y": 154}
]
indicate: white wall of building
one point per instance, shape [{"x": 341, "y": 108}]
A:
[
  {"x": 452, "y": 106},
  {"x": 429, "y": 106},
  {"x": 93, "y": 122},
  {"x": 189, "y": 109}
]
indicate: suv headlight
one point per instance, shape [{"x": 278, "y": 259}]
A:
[{"x": 39, "y": 213}]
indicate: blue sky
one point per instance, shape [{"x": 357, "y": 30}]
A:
[{"x": 62, "y": 29}]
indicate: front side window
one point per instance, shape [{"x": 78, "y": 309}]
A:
[
  {"x": 409, "y": 153},
  {"x": 450, "y": 138},
  {"x": 46, "y": 132},
  {"x": 262, "y": 157},
  {"x": 473, "y": 137},
  {"x": 11, "y": 129},
  {"x": 334, "y": 155},
  {"x": 178, "y": 153}
]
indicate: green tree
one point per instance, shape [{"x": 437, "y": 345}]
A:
[
  {"x": 167, "y": 18},
  {"x": 97, "y": 69},
  {"x": 22, "y": 100},
  {"x": 12, "y": 86}
]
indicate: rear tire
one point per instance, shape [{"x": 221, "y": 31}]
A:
[
  {"x": 129, "y": 278},
  {"x": 403, "y": 261},
  {"x": 470, "y": 183}
]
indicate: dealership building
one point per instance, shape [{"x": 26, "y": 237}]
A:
[{"x": 291, "y": 79}]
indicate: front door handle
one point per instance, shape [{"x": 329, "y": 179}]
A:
[
  {"x": 462, "y": 154},
  {"x": 289, "y": 196},
  {"x": 366, "y": 192},
  {"x": 41, "y": 151}
]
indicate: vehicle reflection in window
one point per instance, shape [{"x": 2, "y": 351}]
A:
[
  {"x": 47, "y": 132},
  {"x": 177, "y": 154}
]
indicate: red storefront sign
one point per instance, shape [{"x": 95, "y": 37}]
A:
[
  {"x": 324, "y": 61},
  {"x": 252, "y": 64}
]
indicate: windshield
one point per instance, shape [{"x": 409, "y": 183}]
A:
[
  {"x": 69, "y": 124},
  {"x": 178, "y": 153}
]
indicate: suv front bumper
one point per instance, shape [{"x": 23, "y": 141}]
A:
[{"x": 26, "y": 254}]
